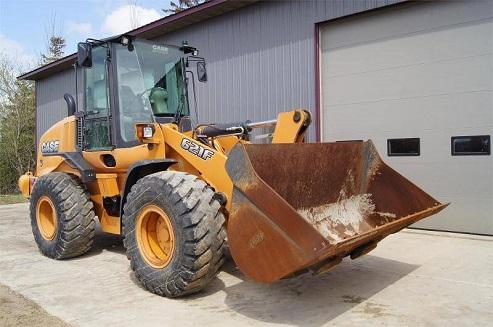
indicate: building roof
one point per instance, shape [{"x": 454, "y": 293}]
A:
[{"x": 154, "y": 29}]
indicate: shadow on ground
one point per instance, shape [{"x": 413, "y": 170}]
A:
[
  {"x": 104, "y": 241},
  {"x": 310, "y": 300},
  {"x": 305, "y": 300}
]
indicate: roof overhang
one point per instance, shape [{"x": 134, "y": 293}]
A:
[{"x": 152, "y": 30}]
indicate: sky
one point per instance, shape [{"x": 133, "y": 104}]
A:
[{"x": 24, "y": 24}]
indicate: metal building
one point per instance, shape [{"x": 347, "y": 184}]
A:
[{"x": 415, "y": 77}]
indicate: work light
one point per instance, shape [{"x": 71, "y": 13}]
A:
[
  {"x": 145, "y": 131},
  {"x": 125, "y": 40}
]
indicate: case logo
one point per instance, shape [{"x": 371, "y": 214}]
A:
[
  {"x": 50, "y": 146},
  {"x": 196, "y": 149},
  {"x": 159, "y": 48}
]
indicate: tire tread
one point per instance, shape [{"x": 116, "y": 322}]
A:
[
  {"x": 202, "y": 224},
  {"x": 75, "y": 216}
]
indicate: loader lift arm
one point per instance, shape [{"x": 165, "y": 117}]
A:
[{"x": 289, "y": 127}]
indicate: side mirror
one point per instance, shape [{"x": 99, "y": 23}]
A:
[
  {"x": 84, "y": 54},
  {"x": 201, "y": 71}
]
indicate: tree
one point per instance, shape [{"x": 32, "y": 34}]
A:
[
  {"x": 182, "y": 5},
  {"x": 17, "y": 126},
  {"x": 55, "y": 50},
  {"x": 17, "y": 114},
  {"x": 55, "y": 43},
  {"x": 134, "y": 15}
]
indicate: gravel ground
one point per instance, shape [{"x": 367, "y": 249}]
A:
[{"x": 16, "y": 310}]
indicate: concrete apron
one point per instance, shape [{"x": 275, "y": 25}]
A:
[{"x": 412, "y": 278}]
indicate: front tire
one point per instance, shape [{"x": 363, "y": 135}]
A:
[
  {"x": 62, "y": 216},
  {"x": 174, "y": 233}
]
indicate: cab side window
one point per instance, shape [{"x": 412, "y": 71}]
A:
[{"x": 97, "y": 102}]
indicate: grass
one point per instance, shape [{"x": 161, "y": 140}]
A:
[{"x": 11, "y": 198}]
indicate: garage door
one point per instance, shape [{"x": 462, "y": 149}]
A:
[{"x": 419, "y": 77}]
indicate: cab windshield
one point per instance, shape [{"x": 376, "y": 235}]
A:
[{"x": 150, "y": 79}]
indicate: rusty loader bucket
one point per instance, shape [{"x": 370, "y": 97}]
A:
[{"x": 304, "y": 207}]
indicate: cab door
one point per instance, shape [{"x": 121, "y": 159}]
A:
[{"x": 97, "y": 122}]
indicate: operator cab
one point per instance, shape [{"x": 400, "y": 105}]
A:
[{"x": 129, "y": 81}]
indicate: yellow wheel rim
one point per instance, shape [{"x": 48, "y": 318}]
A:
[
  {"x": 46, "y": 218},
  {"x": 155, "y": 236}
]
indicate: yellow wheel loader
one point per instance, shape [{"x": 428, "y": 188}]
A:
[{"x": 128, "y": 154}]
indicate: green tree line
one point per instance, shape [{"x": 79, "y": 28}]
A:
[{"x": 17, "y": 116}]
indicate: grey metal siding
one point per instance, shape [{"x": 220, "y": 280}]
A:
[
  {"x": 260, "y": 61},
  {"x": 50, "y": 104}
]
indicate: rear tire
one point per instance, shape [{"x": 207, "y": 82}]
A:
[
  {"x": 184, "y": 203},
  {"x": 62, "y": 216}
]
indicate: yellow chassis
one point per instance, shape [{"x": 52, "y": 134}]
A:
[{"x": 167, "y": 142}]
